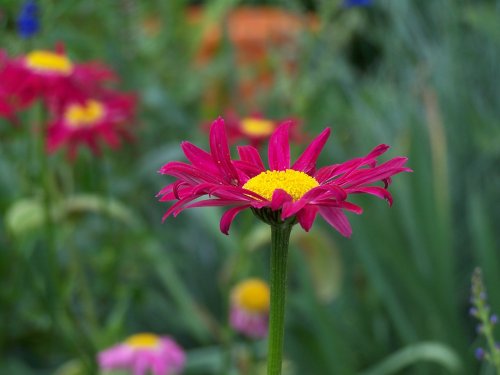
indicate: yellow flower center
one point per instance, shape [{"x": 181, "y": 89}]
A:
[
  {"x": 257, "y": 127},
  {"x": 294, "y": 182},
  {"x": 143, "y": 341},
  {"x": 49, "y": 62},
  {"x": 84, "y": 115},
  {"x": 253, "y": 295}
]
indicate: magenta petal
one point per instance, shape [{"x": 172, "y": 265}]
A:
[
  {"x": 331, "y": 193},
  {"x": 167, "y": 189},
  {"x": 178, "y": 206},
  {"x": 251, "y": 155},
  {"x": 382, "y": 172},
  {"x": 279, "y": 148},
  {"x": 351, "y": 207},
  {"x": 373, "y": 190},
  {"x": 248, "y": 169},
  {"x": 346, "y": 168},
  {"x": 213, "y": 203},
  {"x": 159, "y": 367},
  {"x": 198, "y": 157},
  {"x": 291, "y": 208},
  {"x": 115, "y": 357},
  {"x": 229, "y": 215},
  {"x": 279, "y": 198},
  {"x": 307, "y": 160},
  {"x": 337, "y": 219},
  {"x": 378, "y": 150},
  {"x": 188, "y": 173},
  {"x": 177, "y": 190},
  {"x": 141, "y": 365},
  {"x": 220, "y": 152},
  {"x": 234, "y": 192},
  {"x": 306, "y": 217}
]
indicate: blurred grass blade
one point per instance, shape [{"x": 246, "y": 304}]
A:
[
  {"x": 413, "y": 354},
  {"x": 208, "y": 359},
  {"x": 85, "y": 203},
  {"x": 168, "y": 276},
  {"x": 484, "y": 244}
]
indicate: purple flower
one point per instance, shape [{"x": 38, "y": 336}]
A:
[
  {"x": 480, "y": 353},
  {"x": 494, "y": 319},
  {"x": 28, "y": 23},
  {"x": 356, "y": 3}
]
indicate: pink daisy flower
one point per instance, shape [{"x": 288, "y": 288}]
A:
[
  {"x": 295, "y": 192},
  {"x": 46, "y": 75},
  {"x": 86, "y": 122},
  {"x": 144, "y": 353},
  {"x": 249, "y": 311},
  {"x": 256, "y": 129}
]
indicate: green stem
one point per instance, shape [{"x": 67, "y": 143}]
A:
[
  {"x": 280, "y": 236},
  {"x": 40, "y": 123}
]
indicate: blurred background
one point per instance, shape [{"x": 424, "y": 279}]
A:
[{"x": 421, "y": 76}]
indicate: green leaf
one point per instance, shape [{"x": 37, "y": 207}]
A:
[{"x": 23, "y": 216}]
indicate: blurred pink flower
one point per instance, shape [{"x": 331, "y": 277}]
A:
[
  {"x": 296, "y": 193},
  {"x": 47, "y": 75},
  {"x": 144, "y": 353},
  {"x": 256, "y": 129},
  {"x": 249, "y": 311},
  {"x": 86, "y": 123}
]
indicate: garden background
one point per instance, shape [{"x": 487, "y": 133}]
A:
[{"x": 421, "y": 76}]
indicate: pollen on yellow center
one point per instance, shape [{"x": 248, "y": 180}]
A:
[
  {"x": 50, "y": 62},
  {"x": 84, "y": 115},
  {"x": 257, "y": 127},
  {"x": 253, "y": 295},
  {"x": 295, "y": 183},
  {"x": 143, "y": 340}
]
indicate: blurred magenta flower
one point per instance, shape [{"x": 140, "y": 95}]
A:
[
  {"x": 28, "y": 23},
  {"x": 86, "y": 123},
  {"x": 144, "y": 353},
  {"x": 283, "y": 192},
  {"x": 256, "y": 129},
  {"x": 47, "y": 75},
  {"x": 249, "y": 311}
]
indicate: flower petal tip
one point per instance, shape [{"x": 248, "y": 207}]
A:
[{"x": 219, "y": 121}]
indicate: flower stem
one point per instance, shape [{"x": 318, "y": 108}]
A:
[
  {"x": 280, "y": 236},
  {"x": 45, "y": 181}
]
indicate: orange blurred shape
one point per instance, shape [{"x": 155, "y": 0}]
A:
[{"x": 252, "y": 31}]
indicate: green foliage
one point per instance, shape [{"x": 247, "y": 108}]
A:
[{"x": 421, "y": 76}]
